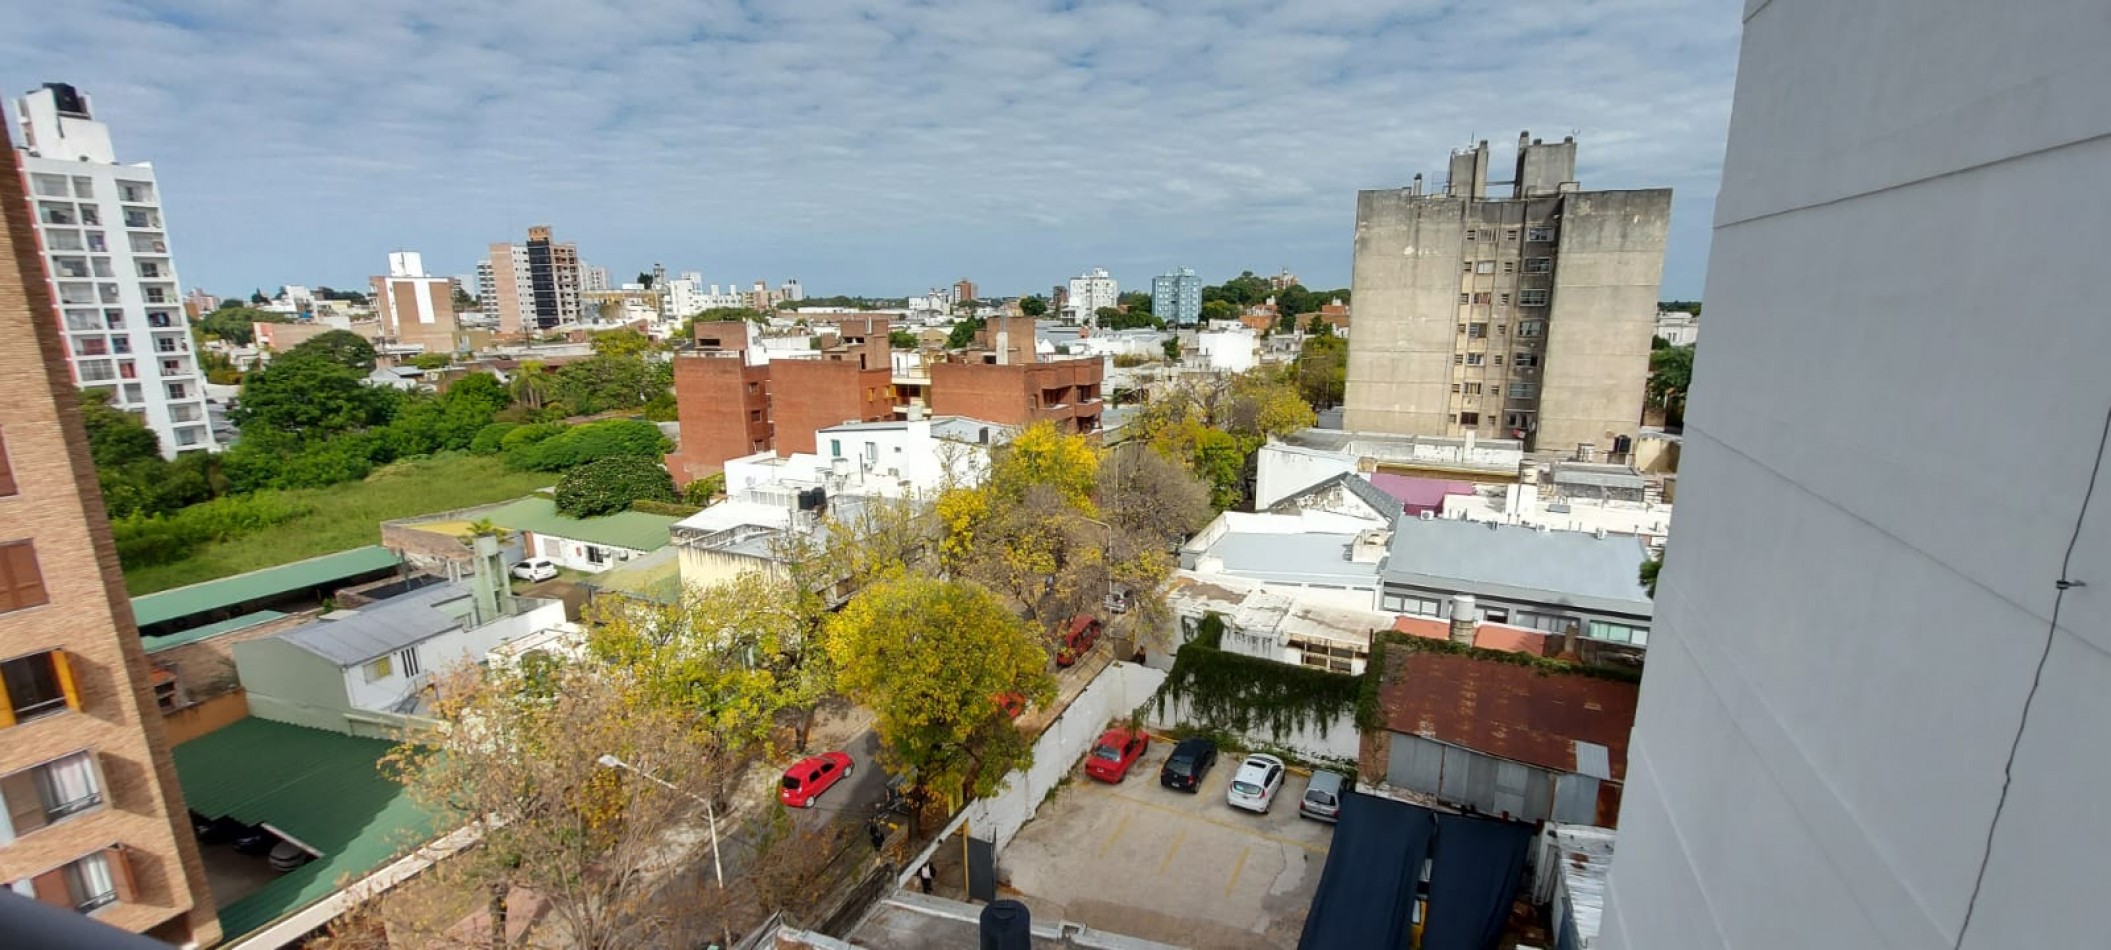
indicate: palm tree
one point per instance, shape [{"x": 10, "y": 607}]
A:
[{"x": 530, "y": 386}]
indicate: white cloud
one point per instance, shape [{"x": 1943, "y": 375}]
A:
[{"x": 863, "y": 145}]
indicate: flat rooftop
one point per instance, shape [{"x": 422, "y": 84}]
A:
[{"x": 1560, "y": 567}]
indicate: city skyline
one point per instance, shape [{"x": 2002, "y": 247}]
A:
[{"x": 1045, "y": 141}]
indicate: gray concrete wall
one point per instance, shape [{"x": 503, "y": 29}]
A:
[
  {"x": 1607, "y": 272},
  {"x": 1856, "y": 602},
  {"x": 1406, "y": 265}
]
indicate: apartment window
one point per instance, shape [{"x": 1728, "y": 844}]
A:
[
  {"x": 1458, "y": 359},
  {"x": 1521, "y": 421},
  {"x": 92, "y": 216},
  {"x": 1531, "y": 328},
  {"x": 1465, "y": 298},
  {"x": 103, "y": 269},
  {"x": 48, "y": 186},
  {"x": 1455, "y": 387},
  {"x": 39, "y": 684},
  {"x": 83, "y": 187},
  {"x": 1618, "y": 632},
  {"x": 1484, "y": 267},
  {"x": 1483, "y": 297},
  {"x": 1539, "y": 265},
  {"x": 1524, "y": 359},
  {"x": 21, "y": 583},
  {"x": 179, "y": 391},
  {"x": 1465, "y": 267},
  {"x": 56, "y": 213},
  {"x": 1539, "y": 235},
  {"x": 1522, "y": 390},
  {"x": 1476, "y": 331},
  {"x": 60, "y": 239},
  {"x": 158, "y": 319},
  {"x": 1418, "y": 606},
  {"x": 7, "y": 472},
  {"x": 1470, "y": 389},
  {"x": 94, "y": 371},
  {"x": 87, "y": 884},
  {"x": 1510, "y": 234},
  {"x": 1532, "y": 298},
  {"x": 1473, "y": 359},
  {"x": 91, "y": 346},
  {"x": 1487, "y": 234},
  {"x": 1509, "y": 267},
  {"x": 135, "y": 192},
  {"x": 1470, "y": 233},
  {"x": 74, "y": 267},
  {"x": 1549, "y": 623},
  {"x": 378, "y": 669},
  {"x": 95, "y": 238},
  {"x": 1470, "y": 419},
  {"x": 43, "y": 795},
  {"x": 408, "y": 656}
]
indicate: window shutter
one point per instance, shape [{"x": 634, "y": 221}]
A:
[
  {"x": 7, "y": 474},
  {"x": 21, "y": 584},
  {"x": 119, "y": 859},
  {"x": 63, "y": 665},
  {"x": 51, "y": 888}
]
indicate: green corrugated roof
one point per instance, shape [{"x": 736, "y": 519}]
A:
[
  {"x": 625, "y": 529},
  {"x": 322, "y": 787},
  {"x": 271, "y": 581},
  {"x": 195, "y": 634},
  {"x": 655, "y": 577}
]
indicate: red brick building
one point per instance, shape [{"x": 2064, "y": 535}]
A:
[
  {"x": 730, "y": 407},
  {"x": 1001, "y": 380}
]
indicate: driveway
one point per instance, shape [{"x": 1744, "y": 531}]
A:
[{"x": 1150, "y": 862}]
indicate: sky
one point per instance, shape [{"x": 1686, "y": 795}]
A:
[{"x": 878, "y": 147}]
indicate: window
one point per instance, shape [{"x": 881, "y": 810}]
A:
[
  {"x": 1522, "y": 391},
  {"x": 1539, "y": 265},
  {"x": 83, "y": 187},
  {"x": 1484, "y": 267},
  {"x": 378, "y": 670},
  {"x": 1509, "y": 267},
  {"x": 594, "y": 555},
  {"x": 49, "y": 186},
  {"x": 1531, "y": 328},
  {"x": 1524, "y": 359},
  {"x": 87, "y": 884},
  {"x": 1547, "y": 622},
  {"x": 1539, "y": 235},
  {"x": 835, "y": 448},
  {"x": 1518, "y": 420},
  {"x": 1470, "y": 233},
  {"x": 1465, "y": 298},
  {"x": 1458, "y": 359},
  {"x": 1532, "y": 298},
  {"x": 1483, "y": 297},
  {"x": 1470, "y": 419},
  {"x": 1487, "y": 234},
  {"x": 42, "y": 795},
  {"x": 39, "y": 684},
  {"x": 1466, "y": 267},
  {"x": 1510, "y": 234},
  {"x": 1497, "y": 359},
  {"x": 1471, "y": 389},
  {"x": 1408, "y": 604},
  {"x": 1473, "y": 359},
  {"x": 1618, "y": 632},
  {"x": 7, "y": 472},
  {"x": 1454, "y": 387},
  {"x": 21, "y": 583},
  {"x": 408, "y": 659},
  {"x": 1476, "y": 331}
]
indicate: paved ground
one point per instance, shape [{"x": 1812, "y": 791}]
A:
[{"x": 1190, "y": 870}]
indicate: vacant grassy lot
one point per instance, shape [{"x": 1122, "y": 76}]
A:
[{"x": 347, "y": 516}]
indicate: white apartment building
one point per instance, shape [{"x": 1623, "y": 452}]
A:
[
  {"x": 1089, "y": 292},
  {"x": 107, "y": 248},
  {"x": 1880, "y": 672}
]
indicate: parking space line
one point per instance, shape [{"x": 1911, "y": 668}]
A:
[
  {"x": 1167, "y": 861},
  {"x": 1235, "y": 826},
  {"x": 1237, "y": 867},
  {"x": 1119, "y": 827}
]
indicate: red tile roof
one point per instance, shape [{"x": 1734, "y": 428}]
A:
[
  {"x": 1509, "y": 710},
  {"x": 1487, "y": 636}
]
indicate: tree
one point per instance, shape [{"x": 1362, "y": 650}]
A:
[
  {"x": 901, "y": 339},
  {"x": 1648, "y": 574},
  {"x": 625, "y": 343},
  {"x": 931, "y": 658},
  {"x": 603, "y": 382},
  {"x": 554, "y": 447},
  {"x": 1239, "y": 292},
  {"x": 309, "y": 393},
  {"x": 1322, "y": 368},
  {"x": 1214, "y": 426},
  {"x": 531, "y": 385},
  {"x": 1171, "y": 345},
  {"x": 342, "y": 347},
  {"x": 1219, "y": 310},
  {"x": 234, "y": 323},
  {"x": 1034, "y": 305},
  {"x": 609, "y": 485},
  {"x": 963, "y": 333},
  {"x": 431, "y": 361},
  {"x": 645, "y": 279},
  {"x": 1293, "y": 300},
  {"x": 463, "y": 302},
  {"x": 1670, "y": 376},
  {"x": 521, "y": 763},
  {"x": 1687, "y": 306},
  {"x": 1136, "y": 301}
]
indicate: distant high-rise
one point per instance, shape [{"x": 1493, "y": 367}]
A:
[
  {"x": 107, "y": 250},
  {"x": 964, "y": 289},
  {"x": 92, "y": 818},
  {"x": 415, "y": 308},
  {"x": 535, "y": 286},
  {"x": 593, "y": 278},
  {"x": 1526, "y": 317},
  {"x": 1088, "y": 293},
  {"x": 1176, "y": 297}
]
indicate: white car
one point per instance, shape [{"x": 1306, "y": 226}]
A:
[
  {"x": 535, "y": 569},
  {"x": 1254, "y": 785}
]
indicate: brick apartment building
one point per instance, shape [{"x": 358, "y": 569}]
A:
[
  {"x": 732, "y": 406},
  {"x": 91, "y": 816}
]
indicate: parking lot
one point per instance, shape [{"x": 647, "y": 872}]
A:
[{"x": 1178, "y": 868}]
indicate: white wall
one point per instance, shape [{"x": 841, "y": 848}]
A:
[
  {"x": 1284, "y": 470},
  {"x": 1229, "y": 351},
  {"x": 1855, "y": 602},
  {"x": 1112, "y": 695},
  {"x": 570, "y": 553},
  {"x": 448, "y": 649}
]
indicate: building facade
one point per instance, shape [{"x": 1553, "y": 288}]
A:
[
  {"x": 1526, "y": 317},
  {"x": 1089, "y": 292},
  {"x": 107, "y": 253},
  {"x": 732, "y": 405},
  {"x": 1176, "y": 297},
  {"x": 91, "y": 815},
  {"x": 1870, "y": 704},
  {"x": 533, "y": 287},
  {"x": 413, "y": 307},
  {"x": 964, "y": 289}
]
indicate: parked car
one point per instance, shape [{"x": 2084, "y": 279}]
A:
[
  {"x": 286, "y": 856},
  {"x": 1254, "y": 785},
  {"x": 535, "y": 569},
  {"x": 1188, "y": 765},
  {"x": 1322, "y": 799},
  {"x": 1078, "y": 639},
  {"x": 1013, "y": 704},
  {"x": 809, "y": 777},
  {"x": 1116, "y": 750}
]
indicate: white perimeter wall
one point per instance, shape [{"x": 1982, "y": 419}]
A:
[{"x": 1888, "y": 443}]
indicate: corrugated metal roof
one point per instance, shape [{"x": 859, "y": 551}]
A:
[
  {"x": 1507, "y": 709},
  {"x": 1559, "y": 567},
  {"x": 321, "y": 787},
  {"x": 269, "y": 582},
  {"x": 195, "y": 634},
  {"x": 1593, "y": 760},
  {"x": 1293, "y": 558},
  {"x": 635, "y": 530},
  {"x": 380, "y": 629}
]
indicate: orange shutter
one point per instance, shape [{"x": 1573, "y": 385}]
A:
[
  {"x": 50, "y": 888},
  {"x": 21, "y": 584},
  {"x": 7, "y": 474},
  {"x": 7, "y": 707},
  {"x": 119, "y": 859},
  {"x": 64, "y": 667}
]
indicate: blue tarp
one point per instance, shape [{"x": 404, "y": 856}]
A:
[
  {"x": 1474, "y": 877},
  {"x": 1366, "y": 892}
]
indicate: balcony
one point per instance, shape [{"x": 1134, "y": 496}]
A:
[
  {"x": 142, "y": 219},
  {"x": 59, "y": 214}
]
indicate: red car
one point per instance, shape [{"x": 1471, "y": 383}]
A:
[
  {"x": 808, "y": 778},
  {"x": 1013, "y": 705},
  {"x": 1116, "y": 750},
  {"x": 1078, "y": 639}
]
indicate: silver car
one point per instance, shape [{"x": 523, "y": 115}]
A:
[
  {"x": 1254, "y": 785},
  {"x": 1322, "y": 799}
]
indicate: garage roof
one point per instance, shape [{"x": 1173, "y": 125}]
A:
[
  {"x": 256, "y": 585},
  {"x": 635, "y": 530}
]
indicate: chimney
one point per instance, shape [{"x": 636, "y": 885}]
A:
[{"x": 1463, "y": 620}]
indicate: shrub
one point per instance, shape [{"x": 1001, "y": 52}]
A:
[
  {"x": 606, "y": 486},
  {"x": 634, "y": 438},
  {"x": 670, "y": 509},
  {"x": 703, "y": 490},
  {"x": 487, "y": 438},
  {"x": 160, "y": 539}
]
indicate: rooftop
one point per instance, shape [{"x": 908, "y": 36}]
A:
[
  {"x": 226, "y": 592},
  {"x": 1288, "y": 559},
  {"x": 1417, "y": 494},
  {"x": 207, "y": 632},
  {"x": 1487, "y": 636},
  {"x": 380, "y": 629},
  {"x": 656, "y": 577},
  {"x": 1566, "y": 722},
  {"x": 635, "y": 530},
  {"x": 1560, "y": 567},
  {"x": 1586, "y": 858},
  {"x": 322, "y": 788}
]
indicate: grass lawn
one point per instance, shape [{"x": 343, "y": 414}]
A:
[{"x": 347, "y": 516}]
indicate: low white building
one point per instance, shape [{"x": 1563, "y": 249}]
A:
[
  {"x": 1315, "y": 627},
  {"x": 591, "y": 545},
  {"x": 1678, "y": 327},
  {"x": 1229, "y": 350}
]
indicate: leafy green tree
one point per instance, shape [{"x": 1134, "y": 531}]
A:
[
  {"x": 342, "y": 347},
  {"x": 309, "y": 394},
  {"x": 540, "y": 449},
  {"x": 1219, "y": 310},
  {"x": 1034, "y": 305},
  {"x": 115, "y": 437},
  {"x": 1322, "y": 368},
  {"x": 235, "y": 323},
  {"x": 603, "y": 383},
  {"x": 932, "y": 658},
  {"x": 1670, "y": 376},
  {"x": 1239, "y": 292},
  {"x": 1688, "y": 306},
  {"x": 532, "y": 384},
  {"x": 1136, "y": 301},
  {"x": 431, "y": 361},
  {"x": 901, "y": 339},
  {"x": 1113, "y": 318},
  {"x": 705, "y": 490},
  {"x": 624, "y": 342},
  {"x": 1293, "y": 300},
  {"x": 608, "y": 485},
  {"x": 1648, "y": 574},
  {"x": 487, "y": 439},
  {"x": 963, "y": 333},
  {"x": 1171, "y": 345}
]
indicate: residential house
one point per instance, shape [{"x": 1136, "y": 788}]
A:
[
  {"x": 1347, "y": 494},
  {"x": 1529, "y": 577},
  {"x": 581, "y": 544},
  {"x": 1300, "y": 627}
]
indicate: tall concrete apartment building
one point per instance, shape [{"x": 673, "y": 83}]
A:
[
  {"x": 91, "y": 816},
  {"x": 106, "y": 248},
  {"x": 964, "y": 289},
  {"x": 414, "y": 307},
  {"x": 1880, "y": 680},
  {"x": 532, "y": 287},
  {"x": 1176, "y": 297},
  {"x": 1526, "y": 317},
  {"x": 1089, "y": 292}
]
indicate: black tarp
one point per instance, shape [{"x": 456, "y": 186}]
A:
[
  {"x": 1366, "y": 892},
  {"x": 1473, "y": 877}
]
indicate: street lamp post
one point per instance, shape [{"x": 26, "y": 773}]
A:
[{"x": 710, "y": 813}]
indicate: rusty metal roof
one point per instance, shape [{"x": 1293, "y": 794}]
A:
[{"x": 1509, "y": 710}]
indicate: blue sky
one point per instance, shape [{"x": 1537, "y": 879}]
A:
[{"x": 865, "y": 146}]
